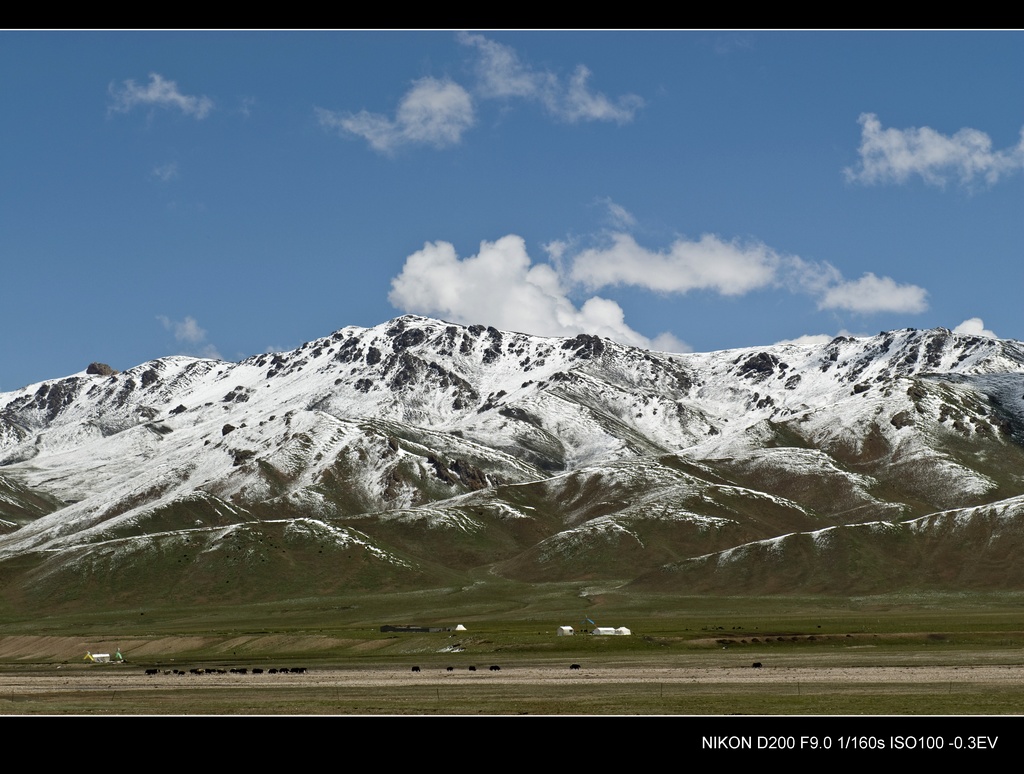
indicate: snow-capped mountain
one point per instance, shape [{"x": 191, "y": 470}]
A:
[{"x": 418, "y": 450}]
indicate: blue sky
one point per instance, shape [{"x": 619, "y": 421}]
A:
[{"x": 228, "y": 193}]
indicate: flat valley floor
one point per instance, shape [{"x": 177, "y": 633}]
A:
[{"x": 924, "y": 654}]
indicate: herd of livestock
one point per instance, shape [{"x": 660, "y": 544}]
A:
[
  {"x": 152, "y": 671},
  {"x": 242, "y": 671}
]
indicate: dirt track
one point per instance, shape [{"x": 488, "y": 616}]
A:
[{"x": 128, "y": 677}]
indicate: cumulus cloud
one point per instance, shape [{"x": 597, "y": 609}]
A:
[
  {"x": 808, "y": 340},
  {"x": 871, "y": 294},
  {"x": 433, "y": 112},
  {"x": 668, "y": 342},
  {"x": 975, "y": 326},
  {"x": 159, "y": 92},
  {"x": 735, "y": 268},
  {"x": 501, "y": 286},
  {"x": 729, "y": 268},
  {"x": 190, "y": 336},
  {"x": 817, "y": 339},
  {"x": 502, "y": 75},
  {"x": 894, "y": 155}
]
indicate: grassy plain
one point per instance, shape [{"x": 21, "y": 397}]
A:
[{"x": 914, "y": 654}]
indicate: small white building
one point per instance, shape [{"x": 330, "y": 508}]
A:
[
  {"x": 565, "y": 631},
  {"x": 103, "y": 658}
]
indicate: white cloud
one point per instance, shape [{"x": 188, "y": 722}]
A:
[
  {"x": 735, "y": 268},
  {"x": 502, "y": 75},
  {"x": 871, "y": 294},
  {"x": 894, "y": 155},
  {"x": 501, "y": 286},
  {"x": 501, "y": 72},
  {"x": 578, "y": 103},
  {"x": 186, "y": 330},
  {"x": 158, "y": 93},
  {"x": 188, "y": 333},
  {"x": 808, "y": 340},
  {"x": 813, "y": 278},
  {"x": 166, "y": 172},
  {"x": 818, "y": 339},
  {"x": 438, "y": 112},
  {"x": 433, "y": 112},
  {"x": 668, "y": 342},
  {"x": 974, "y": 326},
  {"x": 556, "y": 249},
  {"x": 730, "y": 268}
]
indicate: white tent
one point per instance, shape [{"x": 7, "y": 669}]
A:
[
  {"x": 565, "y": 631},
  {"x": 603, "y": 630},
  {"x": 623, "y": 631},
  {"x": 460, "y": 628}
]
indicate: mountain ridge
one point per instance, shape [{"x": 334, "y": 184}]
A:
[{"x": 448, "y": 448}]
